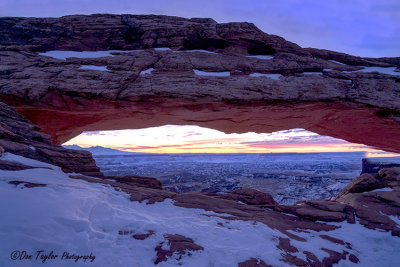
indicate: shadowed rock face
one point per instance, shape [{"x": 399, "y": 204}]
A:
[
  {"x": 308, "y": 91},
  {"x": 20, "y": 137},
  {"x": 374, "y": 165}
]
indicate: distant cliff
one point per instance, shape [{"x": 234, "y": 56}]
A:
[{"x": 374, "y": 165}]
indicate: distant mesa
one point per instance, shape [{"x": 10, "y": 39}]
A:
[
  {"x": 99, "y": 150},
  {"x": 374, "y": 165}
]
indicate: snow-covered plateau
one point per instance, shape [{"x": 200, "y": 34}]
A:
[{"x": 44, "y": 211}]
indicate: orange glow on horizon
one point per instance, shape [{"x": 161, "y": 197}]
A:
[
  {"x": 282, "y": 148},
  {"x": 380, "y": 154}
]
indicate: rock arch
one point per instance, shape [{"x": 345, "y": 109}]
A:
[{"x": 322, "y": 91}]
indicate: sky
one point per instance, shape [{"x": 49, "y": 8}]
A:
[
  {"x": 368, "y": 28},
  {"x": 196, "y": 139},
  {"x": 360, "y": 27}
]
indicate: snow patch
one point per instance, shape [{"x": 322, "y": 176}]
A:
[
  {"x": 25, "y": 161},
  {"x": 196, "y": 50},
  {"x": 337, "y": 62},
  {"x": 145, "y": 72},
  {"x": 385, "y": 189},
  {"x": 396, "y": 219},
  {"x": 84, "y": 54},
  {"x": 311, "y": 73},
  {"x": 271, "y": 76},
  {"x": 208, "y": 73},
  {"x": 162, "y": 48},
  {"x": 383, "y": 70},
  {"x": 264, "y": 57},
  {"x": 93, "y": 67}
]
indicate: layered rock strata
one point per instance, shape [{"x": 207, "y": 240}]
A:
[{"x": 169, "y": 70}]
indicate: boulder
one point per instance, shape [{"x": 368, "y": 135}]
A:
[
  {"x": 251, "y": 197},
  {"x": 363, "y": 183}
]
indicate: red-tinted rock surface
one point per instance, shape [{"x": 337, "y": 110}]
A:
[
  {"x": 251, "y": 197},
  {"x": 65, "y": 100},
  {"x": 143, "y": 236},
  {"x": 140, "y": 181},
  {"x": 319, "y": 209},
  {"x": 372, "y": 206},
  {"x": 253, "y": 263},
  {"x": 363, "y": 183},
  {"x": 13, "y": 166},
  {"x": 19, "y": 136},
  {"x": 178, "y": 245},
  {"x": 26, "y": 184},
  {"x": 388, "y": 177}
]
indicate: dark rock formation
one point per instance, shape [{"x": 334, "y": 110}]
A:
[
  {"x": 374, "y": 206},
  {"x": 323, "y": 210},
  {"x": 143, "y": 236},
  {"x": 136, "y": 235},
  {"x": 13, "y": 166},
  {"x": 363, "y": 183},
  {"x": 178, "y": 245},
  {"x": 389, "y": 178},
  {"x": 140, "y": 181},
  {"x": 311, "y": 92},
  {"x": 19, "y": 136},
  {"x": 252, "y": 262},
  {"x": 126, "y": 32},
  {"x": 251, "y": 197},
  {"x": 373, "y": 165},
  {"x": 26, "y": 184}
]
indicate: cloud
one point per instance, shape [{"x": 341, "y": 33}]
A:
[
  {"x": 94, "y": 133},
  {"x": 193, "y": 133}
]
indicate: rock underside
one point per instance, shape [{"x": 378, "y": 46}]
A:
[{"x": 64, "y": 100}]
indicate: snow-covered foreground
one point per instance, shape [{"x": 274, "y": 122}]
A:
[{"x": 82, "y": 218}]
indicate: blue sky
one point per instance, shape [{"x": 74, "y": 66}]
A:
[{"x": 365, "y": 28}]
